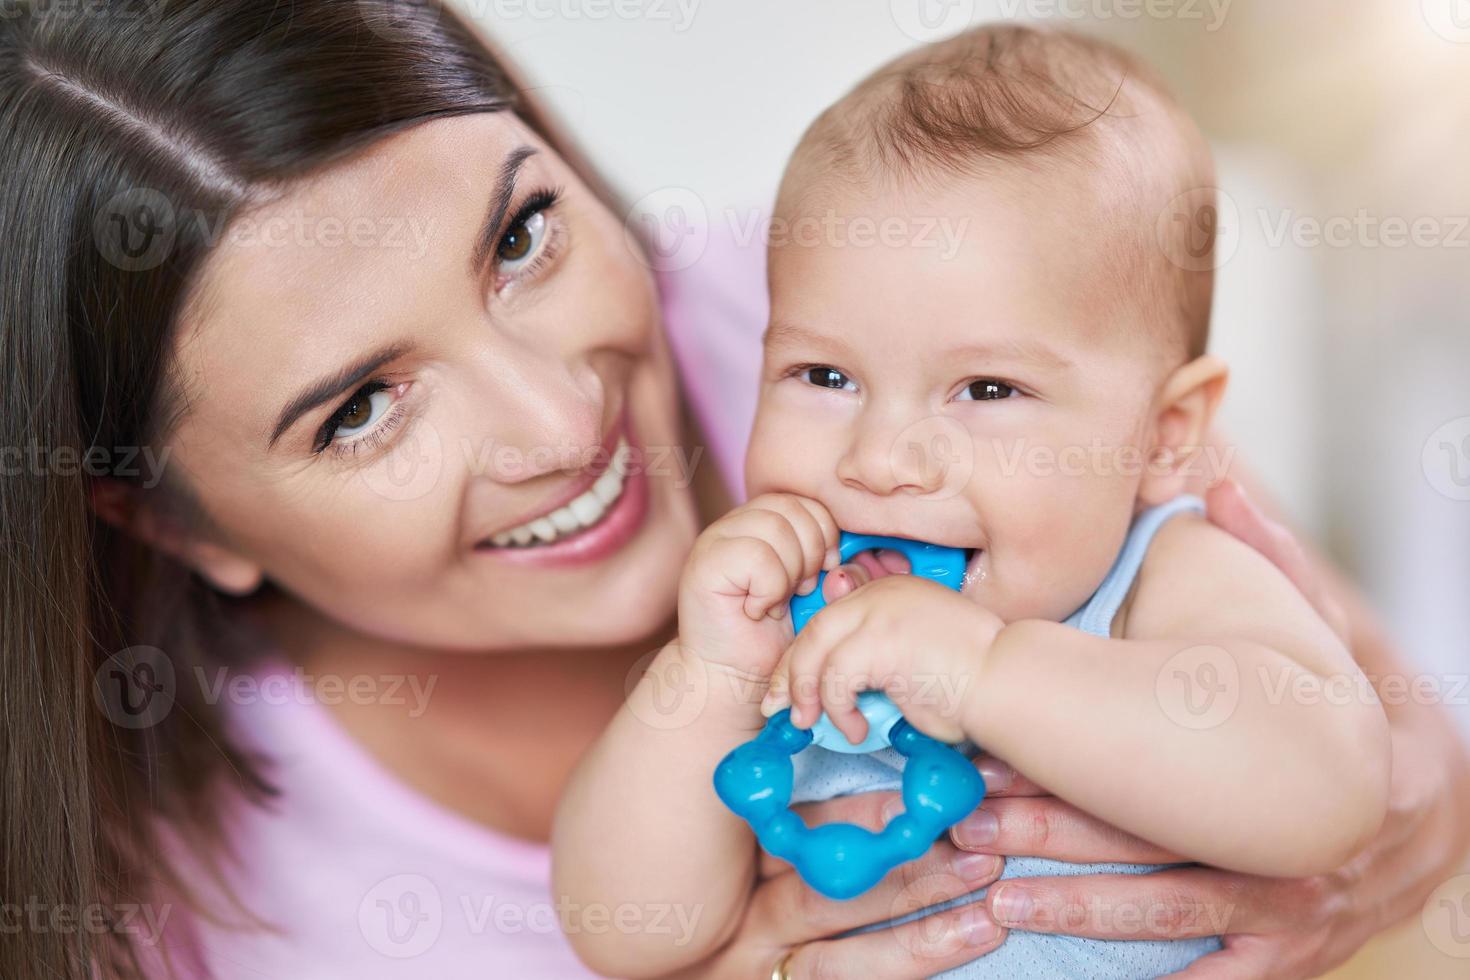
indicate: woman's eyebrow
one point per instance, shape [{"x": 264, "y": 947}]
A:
[
  {"x": 505, "y": 188},
  {"x": 338, "y": 383}
]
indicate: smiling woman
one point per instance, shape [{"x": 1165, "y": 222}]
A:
[
  {"x": 367, "y": 440},
  {"x": 396, "y": 385}
]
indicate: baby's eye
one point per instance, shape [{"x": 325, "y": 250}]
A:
[
  {"x": 826, "y": 377},
  {"x": 986, "y": 389}
]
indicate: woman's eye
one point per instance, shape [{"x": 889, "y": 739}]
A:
[
  {"x": 986, "y": 389},
  {"x": 360, "y": 412},
  {"x": 521, "y": 241},
  {"x": 826, "y": 377}
]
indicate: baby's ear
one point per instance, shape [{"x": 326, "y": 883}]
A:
[{"x": 1183, "y": 413}]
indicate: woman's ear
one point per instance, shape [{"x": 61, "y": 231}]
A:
[
  {"x": 125, "y": 508},
  {"x": 1182, "y": 416}
]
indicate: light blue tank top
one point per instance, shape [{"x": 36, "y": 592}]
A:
[{"x": 822, "y": 774}]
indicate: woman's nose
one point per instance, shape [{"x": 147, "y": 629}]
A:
[{"x": 549, "y": 414}]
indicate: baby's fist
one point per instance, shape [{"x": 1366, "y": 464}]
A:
[
  {"x": 743, "y": 571},
  {"x": 922, "y": 644}
]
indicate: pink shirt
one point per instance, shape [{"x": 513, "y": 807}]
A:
[{"x": 366, "y": 878}]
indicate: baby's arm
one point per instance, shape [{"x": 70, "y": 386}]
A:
[
  {"x": 1281, "y": 775},
  {"x": 640, "y": 828},
  {"x": 1285, "y": 772},
  {"x": 639, "y": 831}
]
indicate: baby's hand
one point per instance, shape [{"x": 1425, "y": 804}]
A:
[
  {"x": 922, "y": 644},
  {"x": 742, "y": 573}
]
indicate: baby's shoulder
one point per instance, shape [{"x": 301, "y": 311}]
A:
[{"x": 1196, "y": 579}]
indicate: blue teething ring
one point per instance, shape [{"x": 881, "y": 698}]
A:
[{"x": 940, "y": 785}]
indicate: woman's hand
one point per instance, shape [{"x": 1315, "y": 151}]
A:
[
  {"x": 1272, "y": 927},
  {"x": 788, "y": 916}
]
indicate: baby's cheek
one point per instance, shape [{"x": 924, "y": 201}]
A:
[
  {"x": 767, "y": 466},
  {"x": 791, "y": 449},
  {"x": 1048, "y": 567},
  {"x": 763, "y": 457}
]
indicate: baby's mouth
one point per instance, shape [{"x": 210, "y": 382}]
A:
[
  {"x": 974, "y": 567},
  {"x": 881, "y": 562}
]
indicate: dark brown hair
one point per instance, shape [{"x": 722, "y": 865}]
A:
[
  {"x": 996, "y": 94},
  {"x": 128, "y": 131}
]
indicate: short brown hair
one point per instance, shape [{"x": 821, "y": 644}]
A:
[{"x": 1054, "y": 98}]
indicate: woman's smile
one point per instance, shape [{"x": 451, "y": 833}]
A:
[{"x": 588, "y": 520}]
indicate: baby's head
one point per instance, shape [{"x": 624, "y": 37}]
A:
[{"x": 987, "y": 330}]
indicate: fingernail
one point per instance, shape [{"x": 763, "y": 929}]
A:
[
  {"x": 976, "y": 867},
  {"x": 892, "y": 809},
  {"x": 997, "y": 775},
  {"x": 807, "y": 586},
  {"x": 977, "y": 830},
  {"x": 977, "y": 926},
  {"x": 1010, "y": 905},
  {"x": 778, "y": 611},
  {"x": 833, "y": 559}
]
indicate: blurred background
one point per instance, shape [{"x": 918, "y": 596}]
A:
[{"x": 1342, "y": 135}]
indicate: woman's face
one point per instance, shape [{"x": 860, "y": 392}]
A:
[{"x": 405, "y": 374}]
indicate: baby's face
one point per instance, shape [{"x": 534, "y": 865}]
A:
[{"x": 997, "y": 394}]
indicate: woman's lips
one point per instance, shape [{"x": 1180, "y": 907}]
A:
[
  {"x": 577, "y": 513},
  {"x": 588, "y": 528}
]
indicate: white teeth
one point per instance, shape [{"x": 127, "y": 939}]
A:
[
  {"x": 579, "y": 514},
  {"x": 607, "y": 487},
  {"x": 586, "y": 509}
]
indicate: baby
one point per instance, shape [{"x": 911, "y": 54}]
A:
[{"x": 1038, "y": 398}]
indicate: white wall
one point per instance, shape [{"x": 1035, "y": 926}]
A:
[{"x": 705, "y": 94}]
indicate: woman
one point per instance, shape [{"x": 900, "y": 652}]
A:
[{"x": 317, "y": 344}]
